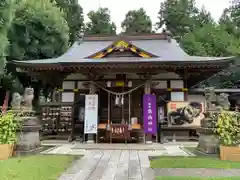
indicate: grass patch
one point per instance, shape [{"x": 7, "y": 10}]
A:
[
  {"x": 197, "y": 178},
  {"x": 192, "y": 162},
  {"x": 38, "y": 167}
]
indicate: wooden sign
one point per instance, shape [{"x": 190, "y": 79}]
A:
[
  {"x": 185, "y": 113},
  {"x": 120, "y": 83},
  {"x": 91, "y": 114},
  {"x": 119, "y": 131}
]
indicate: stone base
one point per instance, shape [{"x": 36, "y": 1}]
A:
[
  {"x": 149, "y": 142},
  {"x": 208, "y": 144},
  {"x": 148, "y": 139},
  {"x": 29, "y": 138},
  {"x": 28, "y": 152},
  {"x": 90, "y": 139}
]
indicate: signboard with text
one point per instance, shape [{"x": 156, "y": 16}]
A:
[
  {"x": 149, "y": 114},
  {"x": 91, "y": 114},
  {"x": 185, "y": 113}
]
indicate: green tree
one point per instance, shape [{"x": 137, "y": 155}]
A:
[
  {"x": 137, "y": 21},
  {"x": 210, "y": 40},
  {"x": 179, "y": 16},
  {"x": 100, "y": 22},
  {"x": 199, "y": 35},
  {"x": 74, "y": 16},
  {"x": 38, "y": 31},
  {"x": 226, "y": 21},
  {"x": 230, "y": 19},
  {"x": 235, "y": 12},
  {"x": 7, "y": 11},
  {"x": 204, "y": 17},
  {"x": 213, "y": 40}
]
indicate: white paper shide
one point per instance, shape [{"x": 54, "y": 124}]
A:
[{"x": 91, "y": 114}]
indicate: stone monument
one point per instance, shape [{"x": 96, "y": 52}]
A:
[
  {"x": 208, "y": 143},
  {"x": 28, "y": 136}
]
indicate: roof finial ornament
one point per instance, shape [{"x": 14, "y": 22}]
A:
[{"x": 168, "y": 34}]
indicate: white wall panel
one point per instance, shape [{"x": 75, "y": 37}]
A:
[{"x": 176, "y": 84}]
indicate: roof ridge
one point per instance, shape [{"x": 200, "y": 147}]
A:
[{"x": 127, "y": 37}]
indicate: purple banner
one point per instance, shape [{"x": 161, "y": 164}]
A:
[{"x": 149, "y": 114}]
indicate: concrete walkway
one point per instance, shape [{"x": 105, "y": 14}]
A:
[
  {"x": 197, "y": 172},
  {"x": 118, "y": 163},
  {"x": 127, "y": 163},
  {"x": 152, "y": 150},
  {"x": 111, "y": 165}
]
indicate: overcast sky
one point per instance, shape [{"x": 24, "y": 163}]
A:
[{"x": 120, "y": 8}]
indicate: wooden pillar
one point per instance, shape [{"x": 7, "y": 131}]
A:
[
  {"x": 185, "y": 85},
  {"x": 92, "y": 90},
  {"x": 147, "y": 90},
  {"x": 129, "y": 108},
  {"x": 5, "y": 104},
  {"x": 109, "y": 107},
  {"x": 123, "y": 121}
]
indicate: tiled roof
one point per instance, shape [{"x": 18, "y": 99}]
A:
[{"x": 159, "y": 45}]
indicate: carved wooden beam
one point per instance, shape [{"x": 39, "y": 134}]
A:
[
  {"x": 53, "y": 78},
  {"x": 93, "y": 75},
  {"x": 147, "y": 76}
]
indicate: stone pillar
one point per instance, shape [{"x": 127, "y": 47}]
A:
[
  {"x": 92, "y": 90},
  {"x": 147, "y": 90},
  {"x": 208, "y": 142},
  {"x": 28, "y": 138}
]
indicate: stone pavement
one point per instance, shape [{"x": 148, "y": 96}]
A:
[
  {"x": 111, "y": 165},
  {"x": 64, "y": 149},
  {"x": 131, "y": 146},
  {"x": 151, "y": 150},
  {"x": 197, "y": 172},
  {"x": 125, "y": 163}
]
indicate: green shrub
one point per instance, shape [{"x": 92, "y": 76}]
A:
[
  {"x": 9, "y": 124},
  {"x": 228, "y": 128}
]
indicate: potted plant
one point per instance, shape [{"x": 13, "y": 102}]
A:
[
  {"x": 228, "y": 132},
  {"x": 9, "y": 125}
]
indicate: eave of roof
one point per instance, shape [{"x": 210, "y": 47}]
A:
[
  {"x": 189, "y": 60},
  {"x": 166, "y": 50},
  {"x": 227, "y": 90}
]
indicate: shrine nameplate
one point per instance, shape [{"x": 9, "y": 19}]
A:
[{"x": 119, "y": 131}]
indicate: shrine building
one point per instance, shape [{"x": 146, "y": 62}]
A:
[{"x": 126, "y": 88}]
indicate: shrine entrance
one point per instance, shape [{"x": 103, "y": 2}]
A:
[
  {"x": 120, "y": 107},
  {"x": 117, "y": 122}
]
